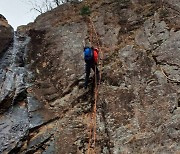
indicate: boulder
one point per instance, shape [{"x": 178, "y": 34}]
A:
[{"x": 6, "y": 33}]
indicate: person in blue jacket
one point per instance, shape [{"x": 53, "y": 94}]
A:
[{"x": 90, "y": 57}]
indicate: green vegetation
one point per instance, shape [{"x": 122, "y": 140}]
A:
[
  {"x": 85, "y": 10},
  {"x": 163, "y": 12}
]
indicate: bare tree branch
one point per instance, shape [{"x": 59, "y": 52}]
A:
[{"x": 42, "y": 6}]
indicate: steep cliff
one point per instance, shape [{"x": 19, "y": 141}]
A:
[
  {"x": 6, "y": 33},
  {"x": 139, "y": 95}
]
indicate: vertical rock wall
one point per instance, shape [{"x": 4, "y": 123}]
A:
[{"x": 137, "y": 107}]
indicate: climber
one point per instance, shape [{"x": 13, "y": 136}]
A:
[{"x": 91, "y": 58}]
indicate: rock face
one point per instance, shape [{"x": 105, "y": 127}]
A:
[
  {"x": 6, "y": 34},
  {"x": 20, "y": 112},
  {"x": 137, "y": 109}
]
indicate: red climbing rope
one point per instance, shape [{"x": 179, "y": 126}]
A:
[{"x": 92, "y": 132}]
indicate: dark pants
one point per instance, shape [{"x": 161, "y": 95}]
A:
[{"x": 89, "y": 66}]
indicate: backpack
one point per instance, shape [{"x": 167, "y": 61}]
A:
[
  {"x": 88, "y": 54},
  {"x": 95, "y": 55}
]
